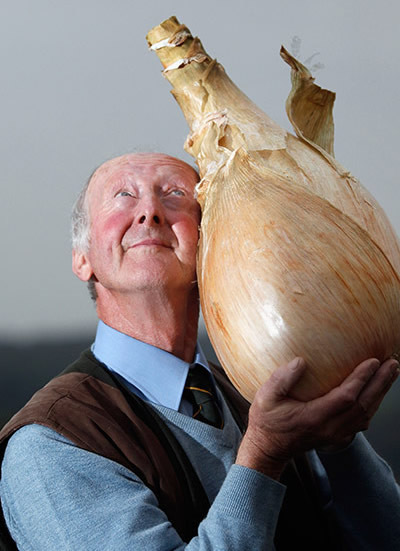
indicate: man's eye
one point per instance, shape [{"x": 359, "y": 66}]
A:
[
  {"x": 177, "y": 192},
  {"x": 124, "y": 194}
]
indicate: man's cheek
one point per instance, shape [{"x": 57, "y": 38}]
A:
[{"x": 114, "y": 226}]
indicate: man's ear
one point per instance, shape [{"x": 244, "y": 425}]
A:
[{"x": 81, "y": 266}]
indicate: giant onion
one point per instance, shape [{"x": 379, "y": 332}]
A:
[{"x": 295, "y": 257}]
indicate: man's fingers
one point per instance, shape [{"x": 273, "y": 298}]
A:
[
  {"x": 361, "y": 375},
  {"x": 344, "y": 396},
  {"x": 285, "y": 377},
  {"x": 373, "y": 393},
  {"x": 350, "y": 406}
]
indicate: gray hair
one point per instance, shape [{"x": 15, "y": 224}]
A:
[{"x": 80, "y": 229}]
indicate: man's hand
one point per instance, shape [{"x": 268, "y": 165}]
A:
[{"x": 281, "y": 427}]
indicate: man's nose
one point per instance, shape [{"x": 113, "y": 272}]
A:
[{"x": 150, "y": 212}]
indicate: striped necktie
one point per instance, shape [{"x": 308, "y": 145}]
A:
[{"x": 200, "y": 393}]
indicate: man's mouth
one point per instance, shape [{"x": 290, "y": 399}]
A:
[{"x": 150, "y": 243}]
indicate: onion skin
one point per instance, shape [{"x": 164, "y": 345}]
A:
[{"x": 295, "y": 257}]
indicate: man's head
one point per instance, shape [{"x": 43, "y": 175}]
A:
[{"x": 135, "y": 225}]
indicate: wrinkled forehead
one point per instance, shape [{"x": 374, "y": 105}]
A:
[{"x": 143, "y": 164}]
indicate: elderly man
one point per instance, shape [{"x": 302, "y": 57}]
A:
[{"x": 118, "y": 453}]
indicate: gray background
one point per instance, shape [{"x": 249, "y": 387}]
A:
[{"x": 78, "y": 86}]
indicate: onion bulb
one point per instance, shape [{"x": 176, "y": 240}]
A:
[{"x": 295, "y": 257}]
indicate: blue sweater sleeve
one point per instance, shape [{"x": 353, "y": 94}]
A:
[
  {"x": 362, "y": 496},
  {"x": 58, "y": 496}
]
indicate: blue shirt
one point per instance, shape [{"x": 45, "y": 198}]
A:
[{"x": 152, "y": 373}]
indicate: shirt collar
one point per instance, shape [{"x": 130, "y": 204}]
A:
[{"x": 157, "y": 374}]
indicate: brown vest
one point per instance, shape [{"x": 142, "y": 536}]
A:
[{"x": 89, "y": 406}]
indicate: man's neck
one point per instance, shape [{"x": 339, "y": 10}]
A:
[{"x": 159, "y": 319}]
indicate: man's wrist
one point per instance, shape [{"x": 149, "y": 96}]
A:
[{"x": 253, "y": 456}]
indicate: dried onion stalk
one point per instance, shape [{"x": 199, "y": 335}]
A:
[{"x": 295, "y": 256}]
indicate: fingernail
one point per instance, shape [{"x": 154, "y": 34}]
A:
[
  {"x": 375, "y": 363},
  {"x": 394, "y": 364},
  {"x": 295, "y": 363}
]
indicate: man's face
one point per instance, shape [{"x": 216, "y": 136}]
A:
[{"x": 143, "y": 224}]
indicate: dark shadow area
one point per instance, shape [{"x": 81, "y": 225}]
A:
[{"x": 26, "y": 368}]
